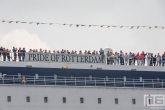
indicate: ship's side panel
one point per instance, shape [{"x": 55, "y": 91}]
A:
[{"x": 90, "y": 97}]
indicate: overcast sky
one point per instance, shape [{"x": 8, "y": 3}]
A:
[{"x": 107, "y": 12}]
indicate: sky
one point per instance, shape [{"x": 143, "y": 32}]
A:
[{"x": 103, "y": 12}]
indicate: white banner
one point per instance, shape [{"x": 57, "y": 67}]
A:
[{"x": 70, "y": 58}]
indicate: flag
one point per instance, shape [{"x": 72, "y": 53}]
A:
[
  {"x": 64, "y": 24},
  {"x": 94, "y": 25},
  {"x": 50, "y": 23},
  {"x": 89, "y": 25},
  {"x": 156, "y": 26},
  {"x": 138, "y": 27},
  {"x": 43, "y": 23},
  {"x": 30, "y": 22},
  {"x": 17, "y": 21},
  {"x": 162, "y": 27},
  {"x": 37, "y": 23},
  {"x": 108, "y": 26},
  {"x": 23, "y": 22},
  {"x": 102, "y": 25},
  {"x": 77, "y": 25},
  {"x": 10, "y": 21},
  {"x": 70, "y": 25},
  {"x": 150, "y": 27},
  {"x": 132, "y": 27},
  {"x": 3, "y": 21},
  {"x": 121, "y": 26},
  {"x": 82, "y": 25}
]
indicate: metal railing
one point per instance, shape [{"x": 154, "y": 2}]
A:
[{"x": 83, "y": 81}]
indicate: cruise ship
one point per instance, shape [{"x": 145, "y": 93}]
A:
[{"x": 79, "y": 82}]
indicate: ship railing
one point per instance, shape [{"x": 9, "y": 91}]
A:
[
  {"x": 83, "y": 81},
  {"x": 11, "y": 56}
]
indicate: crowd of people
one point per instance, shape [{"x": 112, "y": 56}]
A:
[{"x": 116, "y": 58}]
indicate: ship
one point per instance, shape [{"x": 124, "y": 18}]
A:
[{"x": 47, "y": 81}]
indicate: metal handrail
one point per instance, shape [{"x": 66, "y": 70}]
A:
[{"x": 83, "y": 81}]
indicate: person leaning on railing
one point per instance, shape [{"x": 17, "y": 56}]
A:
[
  {"x": 23, "y": 54},
  {"x": 4, "y": 53},
  {"x": 163, "y": 59},
  {"x": 15, "y": 53}
]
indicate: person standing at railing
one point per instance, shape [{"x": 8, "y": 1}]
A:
[
  {"x": 116, "y": 58},
  {"x": 154, "y": 60},
  {"x": 151, "y": 62},
  {"x": 126, "y": 58},
  {"x": 8, "y": 54},
  {"x": 130, "y": 56},
  {"x": 19, "y": 54},
  {"x": 163, "y": 59},
  {"x": 141, "y": 58},
  {"x": 15, "y": 53},
  {"x": 148, "y": 57},
  {"x": 158, "y": 60},
  {"x": 4, "y": 53},
  {"x": 1, "y": 50},
  {"x": 121, "y": 57},
  {"x": 23, "y": 54},
  {"x": 137, "y": 59}
]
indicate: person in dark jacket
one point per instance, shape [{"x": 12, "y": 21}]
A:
[
  {"x": 4, "y": 53},
  {"x": 151, "y": 62},
  {"x": 163, "y": 59},
  {"x": 8, "y": 54},
  {"x": 23, "y": 54},
  {"x": 154, "y": 60},
  {"x": 19, "y": 54}
]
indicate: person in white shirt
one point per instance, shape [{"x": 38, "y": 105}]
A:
[{"x": 126, "y": 58}]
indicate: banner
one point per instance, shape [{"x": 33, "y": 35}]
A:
[
  {"x": 66, "y": 58},
  {"x": 82, "y": 25}
]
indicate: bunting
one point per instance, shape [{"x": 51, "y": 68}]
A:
[{"x": 82, "y": 25}]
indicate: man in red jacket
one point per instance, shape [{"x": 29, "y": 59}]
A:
[{"x": 142, "y": 58}]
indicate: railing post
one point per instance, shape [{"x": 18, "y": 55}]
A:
[
  {"x": 95, "y": 81},
  {"x": 133, "y": 83},
  {"x": 65, "y": 81},
  {"x": 143, "y": 83},
  {"x": 44, "y": 80},
  {"x": 34, "y": 80},
  {"x": 105, "y": 83},
  {"x": 55, "y": 81},
  {"x": 13, "y": 80},
  {"x": 75, "y": 81},
  {"x": 124, "y": 83},
  {"x": 162, "y": 83},
  {"x": 152, "y": 83},
  {"x": 85, "y": 81},
  {"x": 114, "y": 83}
]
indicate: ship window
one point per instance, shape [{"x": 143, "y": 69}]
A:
[
  {"x": 27, "y": 99},
  {"x": 64, "y": 99},
  {"x": 125, "y": 78},
  {"x": 116, "y": 101},
  {"x": 45, "y": 99},
  {"x": 36, "y": 76},
  {"x": 141, "y": 79},
  {"x": 133, "y": 101},
  {"x": 8, "y": 98},
  {"x": 72, "y": 76},
  {"x": 90, "y": 77},
  {"x": 0, "y": 75},
  {"x": 19, "y": 75},
  {"x": 81, "y": 100},
  {"x": 99, "y": 100},
  {"x": 107, "y": 78},
  {"x": 55, "y": 76},
  {"x": 149, "y": 101}
]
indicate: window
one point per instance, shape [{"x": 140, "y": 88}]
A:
[
  {"x": 19, "y": 75},
  {"x": 64, "y": 99},
  {"x": 45, "y": 99},
  {"x": 133, "y": 101},
  {"x": 81, "y": 100},
  {"x": 106, "y": 78},
  {"x": 55, "y": 76},
  {"x": 125, "y": 78},
  {"x": 141, "y": 79},
  {"x": 72, "y": 76},
  {"x": 8, "y": 98},
  {"x": 90, "y": 77},
  {"x": 116, "y": 101},
  {"x": 27, "y": 99},
  {"x": 149, "y": 101},
  {"x": 99, "y": 100},
  {"x": 0, "y": 75},
  {"x": 36, "y": 75}
]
